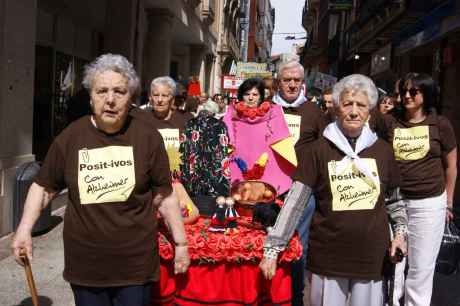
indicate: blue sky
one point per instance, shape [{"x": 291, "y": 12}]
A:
[{"x": 288, "y": 19}]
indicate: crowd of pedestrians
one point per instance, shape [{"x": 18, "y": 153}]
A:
[{"x": 372, "y": 180}]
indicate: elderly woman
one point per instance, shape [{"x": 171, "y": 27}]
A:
[
  {"x": 116, "y": 170},
  {"x": 355, "y": 179},
  {"x": 254, "y": 126},
  {"x": 161, "y": 101},
  {"x": 169, "y": 122},
  {"x": 425, "y": 149}
]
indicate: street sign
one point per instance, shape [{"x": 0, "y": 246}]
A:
[{"x": 250, "y": 69}]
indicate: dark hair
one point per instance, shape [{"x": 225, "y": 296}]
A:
[
  {"x": 191, "y": 104},
  {"x": 427, "y": 86},
  {"x": 250, "y": 84},
  {"x": 327, "y": 91}
]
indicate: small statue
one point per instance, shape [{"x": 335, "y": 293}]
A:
[
  {"x": 219, "y": 220},
  {"x": 231, "y": 215}
]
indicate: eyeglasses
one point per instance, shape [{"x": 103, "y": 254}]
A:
[
  {"x": 412, "y": 92},
  {"x": 288, "y": 80}
]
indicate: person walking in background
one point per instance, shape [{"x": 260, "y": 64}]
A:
[
  {"x": 194, "y": 87},
  {"x": 161, "y": 101},
  {"x": 386, "y": 104},
  {"x": 329, "y": 104},
  {"x": 116, "y": 170},
  {"x": 425, "y": 148}
]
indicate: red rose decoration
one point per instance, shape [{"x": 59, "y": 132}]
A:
[
  {"x": 265, "y": 107},
  {"x": 226, "y": 167},
  {"x": 181, "y": 138},
  {"x": 252, "y": 113},
  {"x": 192, "y": 162},
  {"x": 195, "y": 136},
  {"x": 205, "y": 246}
]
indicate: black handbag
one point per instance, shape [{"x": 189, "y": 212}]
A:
[{"x": 449, "y": 253}]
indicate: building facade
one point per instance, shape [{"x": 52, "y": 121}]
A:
[
  {"x": 261, "y": 25},
  {"x": 385, "y": 39},
  {"x": 45, "y": 44}
]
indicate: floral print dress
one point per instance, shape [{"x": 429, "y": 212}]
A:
[{"x": 205, "y": 168}]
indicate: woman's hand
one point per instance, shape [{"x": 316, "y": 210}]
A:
[
  {"x": 268, "y": 267},
  {"x": 181, "y": 259},
  {"x": 22, "y": 243},
  {"x": 399, "y": 242},
  {"x": 449, "y": 214}
]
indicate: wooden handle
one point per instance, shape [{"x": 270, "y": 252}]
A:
[{"x": 30, "y": 278}]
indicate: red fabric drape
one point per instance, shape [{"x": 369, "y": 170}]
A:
[{"x": 222, "y": 284}]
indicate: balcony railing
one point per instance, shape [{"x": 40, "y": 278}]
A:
[{"x": 207, "y": 10}]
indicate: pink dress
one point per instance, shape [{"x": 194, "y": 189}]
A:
[{"x": 251, "y": 138}]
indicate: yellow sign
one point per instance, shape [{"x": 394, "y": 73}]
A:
[
  {"x": 412, "y": 143},
  {"x": 106, "y": 174},
  {"x": 293, "y": 123},
  {"x": 172, "y": 143},
  {"x": 352, "y": 189}
]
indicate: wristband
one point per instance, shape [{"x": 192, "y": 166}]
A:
[{"x": 271, "y": 253}]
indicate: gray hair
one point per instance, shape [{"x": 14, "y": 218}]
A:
[
  {"x": 210, "y": 106},
  {"x": 290, "y": 65},
  {"x": 111, "y": 62},
  {"x": 165, "y": 81},
  {"x": 356, "y": 82}
]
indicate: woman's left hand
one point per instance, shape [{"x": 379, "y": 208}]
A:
[
  {"x": 449, "y": 214},
  {"x": 399, "y": 242},
  {"x": 181, "y": 259}
]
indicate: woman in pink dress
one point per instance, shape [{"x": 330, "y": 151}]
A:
[{"x": 254, "y": 127}]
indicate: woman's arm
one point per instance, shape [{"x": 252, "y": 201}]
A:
[
  {"x": 450, "y": 164},
  {"x": 286, "y": 223},
  {"x": 37, "y": 199},
  {"x": 170, "y": 211}
]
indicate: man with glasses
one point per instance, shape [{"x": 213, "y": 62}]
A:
[{"x": 306, "y": 122}]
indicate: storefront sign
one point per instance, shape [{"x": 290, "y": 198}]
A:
[{"x": 231, "y": 82}]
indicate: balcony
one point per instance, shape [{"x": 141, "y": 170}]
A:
[
  {"x": 377, "y": 26},
  {"x": 230, "y": 46}
]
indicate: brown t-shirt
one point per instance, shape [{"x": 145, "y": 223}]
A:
[
  {"x": 177, "y": 120},
  {"x": 349, "y": 231},
  {"x": 109, "y": 224},
  {"x": 419, "y": 149},
  {"x": 306, "y": 123}
]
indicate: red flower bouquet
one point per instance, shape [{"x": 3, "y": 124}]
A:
[{"x": 205, "y": 246}]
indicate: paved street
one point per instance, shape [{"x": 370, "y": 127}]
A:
[{"x": 47, "y": 267}]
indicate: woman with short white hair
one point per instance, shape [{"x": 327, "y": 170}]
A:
[
  {"x": 355, "y": 180},
  {"x": 116, "y": 170}
]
